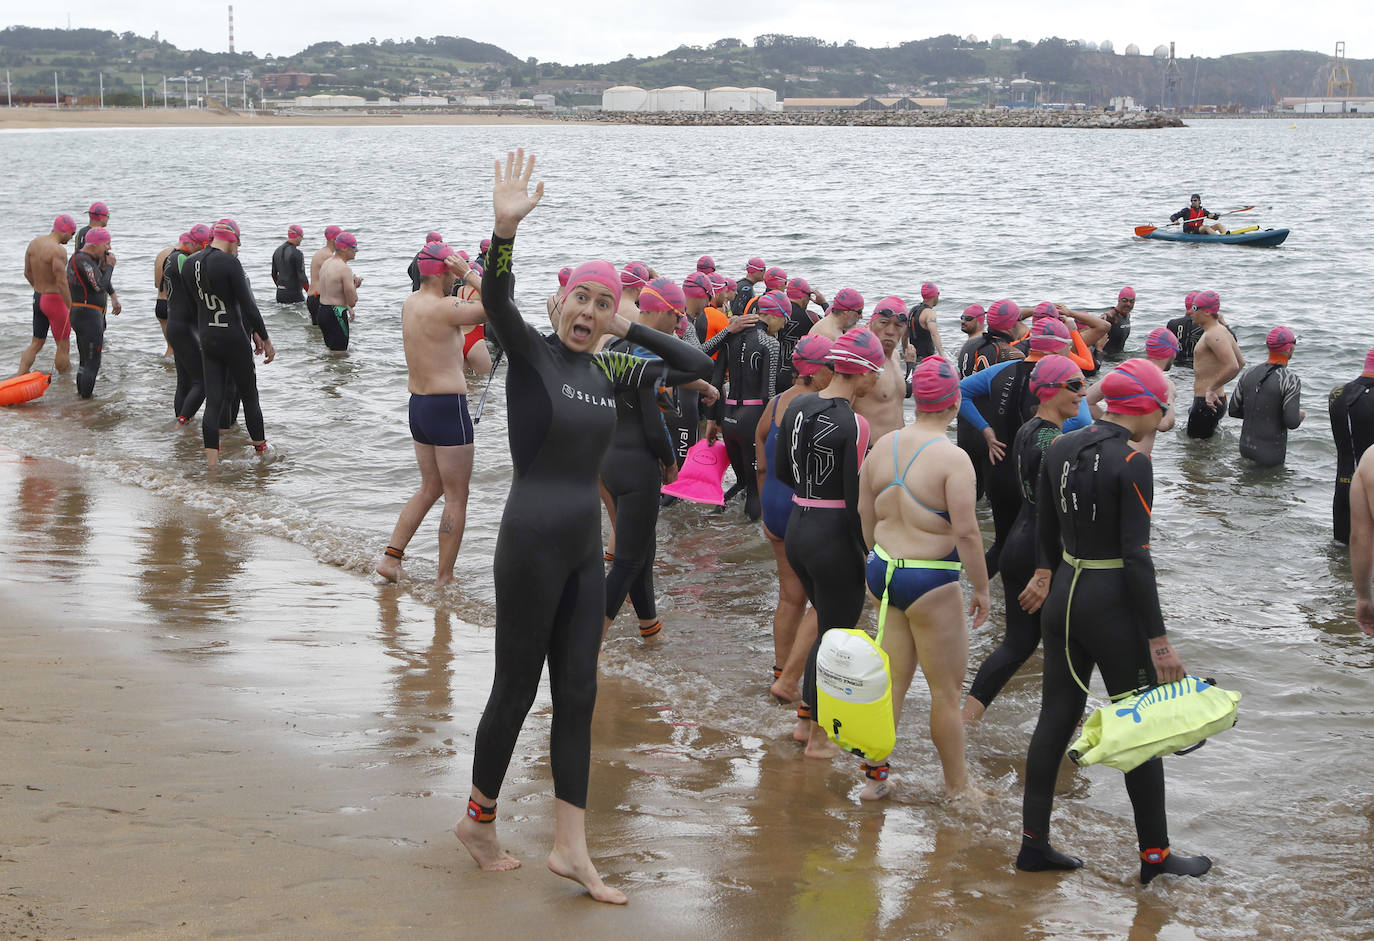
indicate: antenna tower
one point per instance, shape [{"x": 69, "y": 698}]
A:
[
  {"x": 231, "y": 29},
  {"x": 1173, "y": 78},
  {"x": 1339, "y": 84}
]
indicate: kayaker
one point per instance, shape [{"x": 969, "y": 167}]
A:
[{"x": 1196, "y": 213}]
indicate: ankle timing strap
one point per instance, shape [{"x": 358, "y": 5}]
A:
[
  {"x": 479, "y": 813},
  {"x": 777, "y": 671},
  {"x": 394, "y": 553},
  {"x": 876, "y": 772},
  {"x": 1155, "y": 855},
  {"x": 804, "y": 711}
]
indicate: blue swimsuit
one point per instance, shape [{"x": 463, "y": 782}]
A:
[
  {"x": 902, "y": 581},
  {"x": 777, "y": 496}
]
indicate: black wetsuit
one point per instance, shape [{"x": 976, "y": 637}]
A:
[
  {"x": 183, "y": 335},
  {"x": 1187, "y": 333},
  {"x": 920, "y": 337},
  {"x": 88, "y": 283},
  {"x": 288, "y": 274},
  {"x": 744, "y": 293},
  {"x": 1351, "y": 408},
  {"x": 1117, "y": 334},
  {"x": 549, "y": 571},
  {"x": 227, "y": 316},
  {"x": 820, "y": 444},
  {"x": 797, "y": 325},
  {"x": 1094, "y": 496},
  {"x": 632, "y": 474},
  {"x": 750, "y": 359},
  {"x": 978, "y": 353},
  {"x": 1268, "y": 399},
  {"x": 1017, "y": 565},
  {"x": 106, "y": 269}
]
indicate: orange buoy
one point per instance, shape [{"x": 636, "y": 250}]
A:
[{"x": 24, "y": 388}]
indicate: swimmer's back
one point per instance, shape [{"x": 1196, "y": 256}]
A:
[
  {"x": 433, "y": 345},
  {"x": 910, "y": 496}
]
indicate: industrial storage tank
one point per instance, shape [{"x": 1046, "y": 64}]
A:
[
  {"x": 677, "y": 98},
  {"x": 728, "y": 98},
  {"x": 624, "y": 98},
  {"x": 763, "y": 99}
]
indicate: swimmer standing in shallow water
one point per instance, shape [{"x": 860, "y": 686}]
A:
[
  {"x": 432, "y": 325},
  {"x": 338, "y": 293},
  {"x": 45, "y": 268}
]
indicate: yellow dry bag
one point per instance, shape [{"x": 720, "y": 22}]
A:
[
  {"x": 1163, "y": 720},
  {"x": 854, "y": 694}
]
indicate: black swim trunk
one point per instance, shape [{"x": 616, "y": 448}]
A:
[
  {"x": 333, "y": 322},
  {"x": 440, "y": 420},
  {"x": 40, "y": 319},
  {"x": 312, "y": 304},
  {"x": 1203, "y": 418},
  {"x": 160, "y": 308}
]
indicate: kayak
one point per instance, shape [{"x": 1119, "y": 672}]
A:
[{"x": 1259, "y": 237}]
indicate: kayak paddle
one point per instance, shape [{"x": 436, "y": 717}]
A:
[{"x": 1144, "y": 230}]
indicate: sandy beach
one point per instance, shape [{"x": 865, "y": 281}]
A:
[{"x": 16, "y": 119}]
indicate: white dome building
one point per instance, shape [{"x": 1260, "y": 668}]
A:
[
  {"x": 1161, "y": 52},
  {"x": 1107, "y": 47},
  {"x": 677, "y": 98},
  {"x": 624, "y": 98},
  {"x": 728, "y": 98}
]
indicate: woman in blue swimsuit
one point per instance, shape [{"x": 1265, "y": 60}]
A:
[{"x": 916, "y": 500}]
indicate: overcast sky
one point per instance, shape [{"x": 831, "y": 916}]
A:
[{"x": 603, "y": 31}]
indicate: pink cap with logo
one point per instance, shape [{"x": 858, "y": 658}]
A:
[
  {"x": 847, "y": 299},
  {"x": 430, "y": 261},
  {"x": 563, "y": 274},
  {"x": 1126, "y": 294},
  {"x": 98, "y": 209},
  {"x": 294, "y": 232},
  {"x": 660, "y": 295},
  {"x": 775, "y": 279},
  {"x": 929, "y": 291},
  {"x": 225, "y": 230},
  {"x": 773, "y": 304},
  {"x": 346, "y": 240},
  {"x": 755, "y": 265},
  {"x": 200, "y": 233},
  {"x": 1048, "y": 335},
  {"x": 935, "y": 385},
  {"x": 1161, "y": 343},
  {"x": 798, "y": 289},
  {"x": 809, "y": 357},
  {"x": 1281, "y": 340},
  {"x": 331, "y": 232},
  {"x": 1136, "y": 387},
  {"x": 1003, "y": 315},
  {"x": 433, "y": 237},
  {"x": 64, "y": 223},
  {"x": 1208, "y": 301},
  {"x": 974, "y": 312},
  {"x": 595, "y": 272},
  {"x": 97, "y": 235},
  {"x": 1049, "y": 376},
  {"x": 856, "y": 352},
  {"x": 697, "y": 285},
  {"x": 706, "y": 263}
]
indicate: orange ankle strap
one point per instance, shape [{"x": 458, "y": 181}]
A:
[
  {"x": 479, "y": 813},
  {"x": 1155, "y": 855}
]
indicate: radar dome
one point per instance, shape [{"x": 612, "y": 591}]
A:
[
  {"x": 1132, "y": 50},
  {"x": 1107, "y": 46},
  {"x": 1161, "y": 52}
]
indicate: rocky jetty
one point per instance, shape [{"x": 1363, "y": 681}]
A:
[{"x": 979, "y": 117}]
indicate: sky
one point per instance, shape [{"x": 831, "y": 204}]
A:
[{"x": 603, "y": 31}]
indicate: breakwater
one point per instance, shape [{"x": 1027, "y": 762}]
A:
[{"x": 974, "y": 117}]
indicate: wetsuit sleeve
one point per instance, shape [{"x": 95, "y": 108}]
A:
[
  {"x": 851, "y": 480},
  {"x": 655, "y": 428},
  {"x": 413, "y": 272},
  {"x": 107, "y": 280},
  {"x": 1083, "y": 419},
  {"x": 685, "y": 362},
  {"x": 699, "y": 325},
  {"x": 1236, "y": 406},
  {"x": 774, "y": 349},
  {"x": 89, "y": 273},
  {"x": 516, "y": 337},
  {"x": 248, "y": 308},
  {"x": 276, "y": 267},
  {"x": 1137, "y": 496},
  {"x": 1048, "y": 548},
  {"x": 1339, "y": 410},
  {"x": 717, "y": 411},
  {"x": 1292, "y": 400},
  {"x": 1079, "y": 354},
  {"x": 782, "y": 463},
  {"x": 977, "y": 385},
  {"x": 710, "y": 346},
  {"x": 299, "y": 259}
]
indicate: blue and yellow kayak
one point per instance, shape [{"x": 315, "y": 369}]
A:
[{"x": 1253, "y": 237}]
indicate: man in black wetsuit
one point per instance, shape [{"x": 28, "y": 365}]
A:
[
  {"x": 182, "y": 332},
  {"x": 1093, "y": 523},
  {"x": 99, "y": 214},
  {"x": 1351, "y": 407},
  {"x": 1268, "y": 399},
  {"x": 750, "y": 360},
  {"x": 1119, "y": 323},
  {"x": 288, "y": 268},
  {"x": 89, "y": 285},
  {"x": 228, "y": 318},
  {"x": 798, "y": 324},
  {"x": 983, "y": 349},
  {"x": 744, "y": 290},
  {"x": 1187, "y": 332}
]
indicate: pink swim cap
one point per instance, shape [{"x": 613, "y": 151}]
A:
[
  {"x": 430, "y": 261},
  {"x": 660, "y": 295},
  {"x": 717, "y": 283},
  {"x": 97, "y": 235},
  {"x": 225, "y": 230},
  {"x": 295, "y": 232},
  {"x": 463, "y": 255},
  {"x": 200, "y": 233},
  {"x": 1126, "y": 294},
  {"x": 892, "y": 306},
  {"x": 185, "y": 239},
  {"x": 929, "y": 290},
  {"x": 935, "y": 385},
  {"x": 595, "y": 272},
  {"x": 809, "y": 357},
  {"x": 774, "y": 304},
  {"x": 847, "y": 299},
  {"x": 1136, "y": 387},
  {"x": 64, "y": 223},
  {"x": 1003, "y": 315},
  {"x": 483, "y": 245},
  {"x": 346, "y": 240},
  {"x": 798, "y": 289},
  {"x": 706, "y": 263},
  {"x": 433, "y": 237},
  {"x": 775, "y": 279},
  {"x": 331, "y": 232},
  {"x": 1281, "y": 340},
  {"x": 634, "y": 275},
  {"x": 731, "y": 284},
  {"x": 98, "y": 209},
  {"x": 562, "y": 274},
  {"x": 857, "y": 352},
  {"x": 755, "y": 264},
  {"x": 1049, "y": 376},
  {"x": 1045, "y": 309},
  {"x": 1207, "y": 301},
  {"x": 1369, "y": 361},
  {"x": 974, "y": 312},
  {"x": 697, "y": 285},
  {"x": 1048, "y": 335},
  {"x": 1188, "y": 301},
  {"x": 1161, "y": 343}
]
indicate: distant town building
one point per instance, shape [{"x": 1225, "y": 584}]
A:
[
  {"x": 285, "y": 81},
  {"x": 684, "y": 98},
  {"x": 329, "y": 101},
  {"x": 1328, "y": 105},
  {"x": 886, "y": 103}
]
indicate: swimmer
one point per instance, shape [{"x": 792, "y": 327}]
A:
[
  {"x": 972, "y": 324},
  {"x": 1351, "y": 407},
  {"x": 794, "y": 624},
  {"x": 288, "y": 268},
  {"x": 750, "y": 360},
  {"x": 924, "y": 337},
  {"x": 707, "y": 264},
  {"x": 1161, "y": 348},
  {"x": 799, "y": 322},
  {"x": 1216, "y": 361},
  {"x": 842, "y": 316},
  {"x": 716, "y": 317},
  {"x": 440, "y": 427},
  {"x": 1086, "y": 330},
  {"x": 413, "y": 269},
  {"x": 1362, "y": 541},
  {"x": 550, "y": 581},
  {"x": 916, "y": 500},
  {"x": 1058, "y": 384},
  {"x": 1268, "y": 400},
  {"x": 317, "y": 260},
  {"x": 821, "y": 445},
  {"x": 1187, "y": 332},
  {"x": 45, "y": 268},
  {"x": 87, "y": 281},
  {"x": 1095, "y": 493},
  {"x": 696, "y": 287},
  {"x": 228, "y": 318},
  {"x": 338, "y": 293},
  {"x": 883, "y": 405},
  {"x": 753, "y": 278},
  {"x": 182, "y": 331},
  {"x": 633, "y": 278},
  {"x": 99, "y": 216},
  {"x": 160, "y": 305},
  {"x": 1113, "y": 342}
]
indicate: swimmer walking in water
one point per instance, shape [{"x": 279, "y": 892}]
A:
[
  {"x": 338, "y": 293},
  {"x": 45, "y": 268}
]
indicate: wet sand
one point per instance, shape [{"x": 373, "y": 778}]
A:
[{"x": 48, "y": 118}]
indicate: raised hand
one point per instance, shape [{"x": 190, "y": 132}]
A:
[{"x": 510, "y": 195}]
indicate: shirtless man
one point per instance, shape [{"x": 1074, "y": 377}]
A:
[
  {"x": 432, "y": 325},
  {"x": 883, "y": 405},
  {"x": 1362, "y": 539},
  {"x": 45, "y": 268},
  {"x": 326, "y": 251},
  {"x": 160, "y": 306},
  {"x": 1216, "y": 361},
  {"x": 1161, "y": 348},
  {"x": 843, "y": 314},
  {"x": 338, "y": 293}
]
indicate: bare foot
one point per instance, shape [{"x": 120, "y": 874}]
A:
[
  {"x": 479, "y": 839},
  {"x": 969, "y": 796},
  {"x": 389, "y": 568},
  {"x": 786, "y": 693},
  {"x": 877, "y": 790},
  {"x": 801, "y": 732},
  {"x": 583, "y": 873},
  {"x": 442, "y": 580},
  {"x": 819, "y": 745},
  {"x": 972, "y": 713}
]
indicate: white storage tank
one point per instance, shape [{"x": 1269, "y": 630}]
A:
[
  {"x": 624, "y": 98},
  {"x": 727, "y": 98},
  {"x": 677, "y": 98},
  {"x": 762, "y": 99}
]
